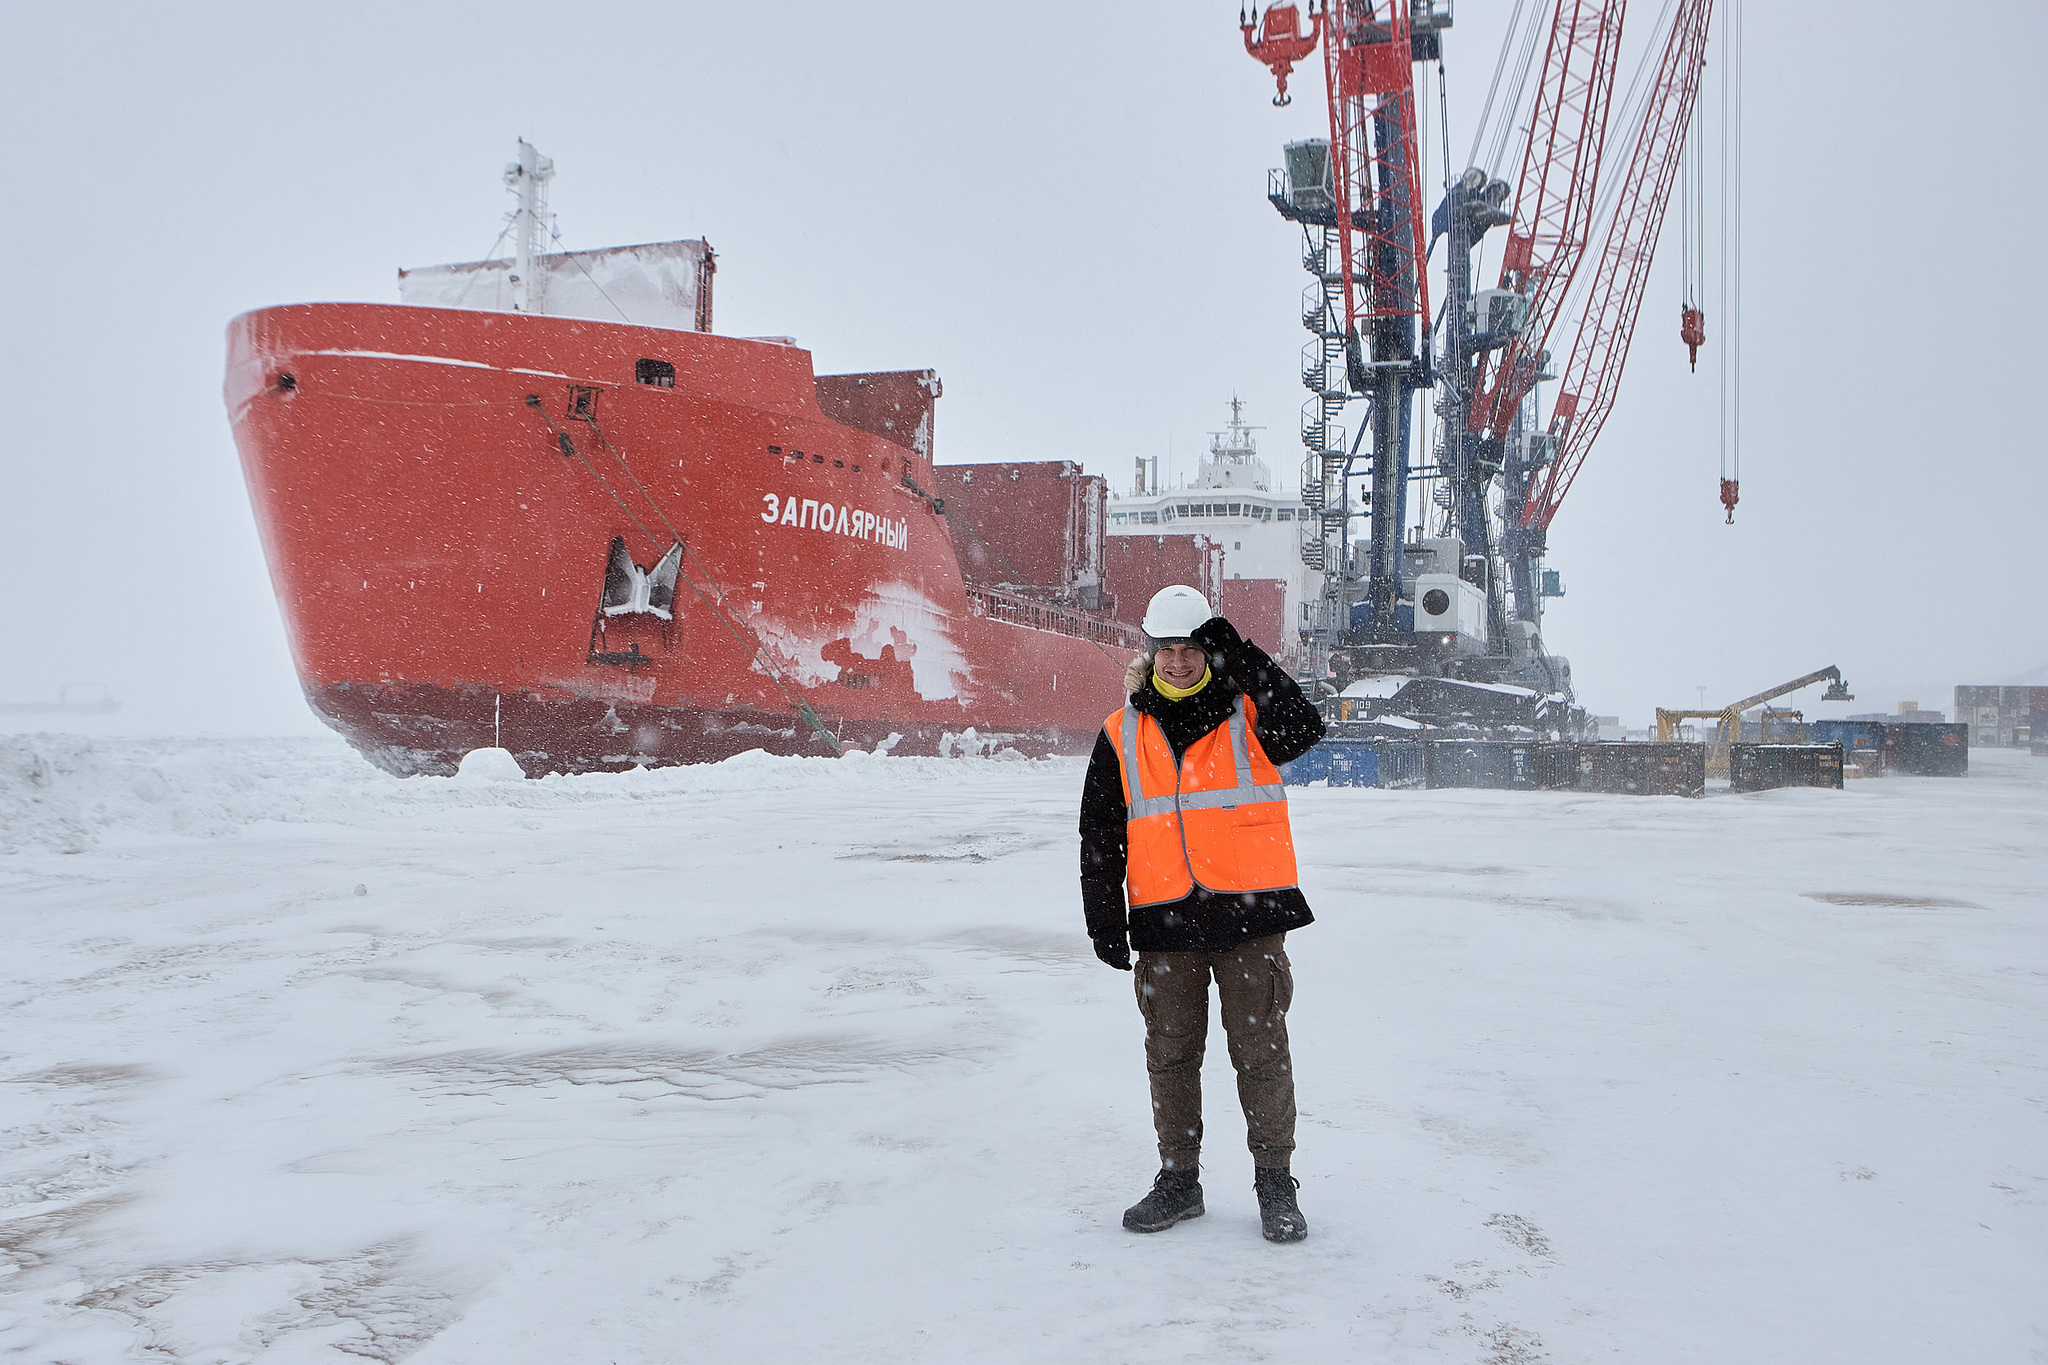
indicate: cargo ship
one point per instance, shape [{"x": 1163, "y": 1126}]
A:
[{"x": 495, "y": 517}]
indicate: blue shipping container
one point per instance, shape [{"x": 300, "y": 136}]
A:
[
  {"x": 1850, "y": 734},
  {"x": 1357, "y": 763}
]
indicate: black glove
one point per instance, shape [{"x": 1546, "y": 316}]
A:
[
  {"x": 1222, "y": 643},
  {"x": 1113, "y": 951}
]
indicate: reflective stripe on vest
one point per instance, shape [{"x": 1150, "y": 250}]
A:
[
  {"x": 1245, "y": 793},
  {"x": 1254, "y": 852}
]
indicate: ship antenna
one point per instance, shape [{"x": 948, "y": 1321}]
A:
[{"x": 528, "y": 179}]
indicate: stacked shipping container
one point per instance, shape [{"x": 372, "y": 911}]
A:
[
  {"x": 1034, "y": 529},
  {"x": 2002, "y": 717},
  {"x": 1135, "y": 567},
  {"x": 1257, "y": 607}
]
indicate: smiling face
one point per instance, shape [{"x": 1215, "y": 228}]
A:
[{"x": 1180, "y": 662}]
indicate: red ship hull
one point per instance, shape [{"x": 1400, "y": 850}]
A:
[{"x": 438, "y": 493}]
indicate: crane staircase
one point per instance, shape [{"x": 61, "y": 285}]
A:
[{"x": 1325, "y": 463}]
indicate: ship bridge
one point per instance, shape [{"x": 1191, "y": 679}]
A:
[{"x": 1249, "y": 524}]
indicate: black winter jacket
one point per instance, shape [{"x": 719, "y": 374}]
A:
[{"x": 1203, "y": 921}]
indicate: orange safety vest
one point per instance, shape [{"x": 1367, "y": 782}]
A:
[{"x": 1219, "y": 821}]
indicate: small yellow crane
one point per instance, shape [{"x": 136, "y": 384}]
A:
[{"x": 1731, "y": 716}]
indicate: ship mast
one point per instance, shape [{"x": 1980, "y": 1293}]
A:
[
  {"x": 1235, "y": 452},
  {"x": 528, "y": 179}
]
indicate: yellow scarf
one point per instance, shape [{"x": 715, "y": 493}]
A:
[{"x": 1172, "y": 693}]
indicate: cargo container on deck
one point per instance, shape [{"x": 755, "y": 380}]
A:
[
  {"x": 1135, "y": 567},
  {"x": 1033, "y": 528},
  {"x": 1258, "y": 608}
]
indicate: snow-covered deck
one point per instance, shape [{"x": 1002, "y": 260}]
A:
[{"x": 791, "y": 1059}]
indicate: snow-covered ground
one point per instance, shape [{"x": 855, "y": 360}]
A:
[{"x": 792, "y": 1059}]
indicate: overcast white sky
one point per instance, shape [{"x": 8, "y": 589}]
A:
[{"x": 1058, "y": 206}]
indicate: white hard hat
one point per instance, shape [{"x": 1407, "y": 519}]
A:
[{"x": 1174, "y": 613}]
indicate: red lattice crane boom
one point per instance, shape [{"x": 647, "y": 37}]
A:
[
  {"x": 1553, "y": 211},
  {"x": 1593, "y": 375},
  {"x": 1370, "y": 66}
]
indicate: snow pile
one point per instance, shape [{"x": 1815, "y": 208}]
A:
[
  {"x": 971, "y": 743},
  {"x": 65, "y": 793},
  {"x": 489, "y": 765},
  {"x": 807, "y": 1059},
  {"x": 38, "y": 800}
]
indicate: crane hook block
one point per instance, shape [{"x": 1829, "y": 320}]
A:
[
  {"x": 1692, "y": 330},
  {"x": 1280, "y": 43},
  {"x": 1729, "y": 497}
]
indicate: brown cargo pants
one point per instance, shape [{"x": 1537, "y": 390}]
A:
[{"x": 1254, "y": 986}]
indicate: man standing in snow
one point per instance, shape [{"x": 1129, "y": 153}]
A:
[{"x": 1183, "y": 816}]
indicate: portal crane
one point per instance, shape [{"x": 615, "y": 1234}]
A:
[
  {"x": 1371, "y": 297},
  {"x": 1553, "y": 214},
  {"x": 1360, "y": 191}
]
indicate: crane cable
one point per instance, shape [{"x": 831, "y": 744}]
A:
[
  {"x": 1452, "y": 373},
  {"x": 1620, "y": 147},
  {"x": 1423, "y": 429},
  {"x": 1692, "y": 224},
  {"x": 1731, "y": 255},
  {"x": 1499, "y": 64},
  {"x": 1540, "y": 20},
  {"x": 1511, "y": 108}
]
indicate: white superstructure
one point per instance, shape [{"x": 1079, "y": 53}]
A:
[
  {"x": 653, "y": 284},
  {"x": 1234, "y": 500}
]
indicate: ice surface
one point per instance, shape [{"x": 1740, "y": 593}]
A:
[{"x": 798, "y": 1059}]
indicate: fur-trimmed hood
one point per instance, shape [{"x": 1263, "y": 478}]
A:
[{"x": 1138, "y": 672}]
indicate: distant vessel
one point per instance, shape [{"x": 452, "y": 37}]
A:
[
  {"x": 106, "y": 705},
  {"x": 540, "y": 505},
  {"x": 1235, "y": 502}
]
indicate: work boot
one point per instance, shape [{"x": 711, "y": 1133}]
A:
[
  {"x": 1176, "y": 1196},
  {"x": 1279, "y": 1216}
]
